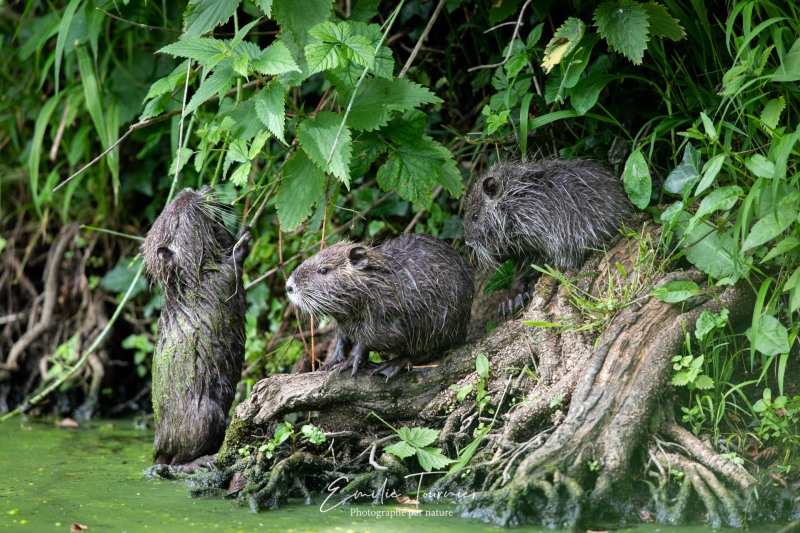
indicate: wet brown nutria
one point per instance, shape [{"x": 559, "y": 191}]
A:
[
  {"x": 409, "y": 297},
  {"x": 549, "y": 211},
  {"x": 200, "y": 348}
]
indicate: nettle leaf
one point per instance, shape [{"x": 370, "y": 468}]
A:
[
  {"x": 317, "y": 136},
  {"x": 771, "y": 114},
  {"x": 296, "y": 17},
  {"x": 411, "y": 171},
  {"x": 704, "y": 382},
  {"x": 241, "y": 174},
  {"x": 242, "y": 33},
  {"x": 686, "y": 174},
  {"x": 377, "y": 99},
  {"x": 274, "y": 60},
  {"x": 771, "y": 338},
  {"x": 431, "y": 459},
  {"x": 237, "y": 153},
  {"x": 383, "y": 67},
  {"x": 168, "y": 83},
  {"x": 218, "y": 83},
  {"x": 449, "y": 175},
  {"x": 338, "y": 45},
  {"x": 563, "y": 42},
  {"x": 637, "y": 181},
  {"x": 202, "y": 16},
  {"x": 205, "y": 50},
  {"x": 271, "y": 110},
  {"x": 240, "y": 64},
  {"x": 625, "y": 26},
  {"x": 662, "y": 24},
  {"x": 302, "y": 185},
  {"x": 675, "y": 291},
  {"x": 417, "y": 436},
  {"x": 265, "y": 6},
  {"x": 401, "y": 449},
  {"x": 185, "y": 155}
]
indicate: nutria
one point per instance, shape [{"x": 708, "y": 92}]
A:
[
  {"x": 410, "y": 297},
  {"x": 200, "y": 348},
  {"x": 549, "y": 211}
]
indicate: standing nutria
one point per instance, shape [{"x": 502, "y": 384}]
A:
[
  {"x": 200, "y": 348},
  {"x": 409, "y": 297},
  {"x": 552, "y": 211}
]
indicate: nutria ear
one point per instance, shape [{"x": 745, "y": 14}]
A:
[
  {"x": 165, "y": 255},
  {"x": 358, "y": 257},
  {"x": 490, "y": 186}
]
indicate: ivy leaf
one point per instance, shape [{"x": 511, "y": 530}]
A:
[
  {"x": 276, "y": 59},
  {"x": 302, "y": 185},
  {"x": 401, "y": 449},
  {"x": 377, "y": 99},
  {"x": 317, "y": 136},
  {"x": 662, "y": 24},
  {"x": 675, "y": 291},
  {"x": 202, "y": 16},
  {"x": 637, "y": 181},
  {"x": 686, "y": 173},
  {"x": 432, "y": 459},
  {"x": 771, "y": 338},
  {"x": 217, "y": 83},
  {"x": 417, "y": 436},
  {"x": 625, "y": 26},
  {"x": 564, "y": 41},
  {"x": 271, "y": 110}
]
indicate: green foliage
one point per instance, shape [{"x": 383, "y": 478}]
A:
[{"x": 417, "y": 441}]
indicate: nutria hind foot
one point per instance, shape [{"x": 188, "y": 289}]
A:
[
  {"x": 204, "y": 462},
  {"x": 518, "y": 297}
]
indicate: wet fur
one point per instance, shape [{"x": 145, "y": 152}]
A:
[
  {"x": 550, "y": 211},
  {"x": 409, "y": 297},
  {"x": 200, "y": 348}
]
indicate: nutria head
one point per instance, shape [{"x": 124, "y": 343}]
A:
[
  {"x": 337, "y": 282},
  {"x": 188, "y": 236}
]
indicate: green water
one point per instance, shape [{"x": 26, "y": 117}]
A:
[{"x": 52, "y": 477}]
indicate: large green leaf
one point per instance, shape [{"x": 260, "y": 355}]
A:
[
  {"x": 686, "y": 174},
  {"x": 637, "y": 181},
  {"x": 217, "y": 83},
  {"x": 412, "y": 171},
  {"x": 337, "y": 45},
  {"x": 275, "y": 59},
  {"x": 789, "y": 69},
  {"x": 773, "y": 224},
  {"x": 377, "y": 99},
  {"x": 417, "y": 436},
  {"x": 563, "y": 42},
  {"x": 401, "y": 449},
  {"x": 302, "y": 185},
  {"x": 624, "y": 24},
  {"x": 722, "y": 199},
  {"x": 771, "y": 338},
  {"x": 675, "y": 291},
  {"x": 318, "y": 137},
  {"x": 205, "y": 50},
  {"x": 431, "y": 459}
]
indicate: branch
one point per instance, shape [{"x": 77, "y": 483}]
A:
[{"x": 510, "y": 45}]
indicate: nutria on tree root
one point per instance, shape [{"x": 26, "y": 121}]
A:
[
  {"x": 201, "y": 330},
  {"x": 410, "y": 298},
  {"x": 549, "y": 211}
]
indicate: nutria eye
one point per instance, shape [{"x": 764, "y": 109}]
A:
[
  {"x": 323, "y": 270},
  {"x": 475, "y": 217}
]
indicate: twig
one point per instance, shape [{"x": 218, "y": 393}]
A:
[
  {"x": 419, "y": 213},
  {"x": 510, "y": 45},
  {"x": 422, "y": 37},
  {"x": 180, "y": 130},
  {"x": 137, "y": 24},
  {"x": 372, "y": 461},
  {"x": 59, "y": 133}
]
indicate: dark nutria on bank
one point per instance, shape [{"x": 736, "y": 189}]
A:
[
  {"x": 549, "y": 211},
  {"x": 409, "y": 297},
  {"x": 201, "y": 331}
]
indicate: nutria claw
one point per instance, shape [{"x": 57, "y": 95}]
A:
[{"x": 513, "y": 305}]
